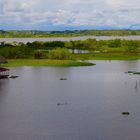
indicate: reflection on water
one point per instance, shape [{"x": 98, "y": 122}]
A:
[
  {"x": 91, "y": 102},
  {"x": 3, "y": 85}
]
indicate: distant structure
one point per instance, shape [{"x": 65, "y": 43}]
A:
[{"x": 4, "y": 73}]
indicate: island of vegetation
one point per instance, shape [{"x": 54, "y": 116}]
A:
[{"x": 68, "y": 53}]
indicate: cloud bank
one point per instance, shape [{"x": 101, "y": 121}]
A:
[{"x": 69, "y": 14}]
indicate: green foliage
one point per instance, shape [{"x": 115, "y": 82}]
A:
[
  {"x": 67, "y": 33},
  {"x": 14, "y": 51},
  {"x": 131, "y": 46},
  {"x": 40, "y": 54},
  {"x": 46, "y": 45},
  {"x": 60, "y": 54},
  {"x": 72, "y": 45},
  {"x": 35, "y": 45},
  {"x": 115, "y": 43},
  {"x": 91, "y": 44},
  {"x": 60, "y": 50},
  {"x": 45, "y": 62}
]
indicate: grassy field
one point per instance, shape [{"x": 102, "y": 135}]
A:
[
  {"x": 71, "y": 63},
  {"x": 45, "y": 62},
  {"x": 108, "y": 56}
]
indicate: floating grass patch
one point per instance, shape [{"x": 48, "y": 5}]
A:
[
  {"x": 62, "y": 104},
  {"x": 126, "y": 113},
  {"x": 46, "y": 62},
  {"x": 62, "y": 79},
  {"x": 133, "y": 72}
]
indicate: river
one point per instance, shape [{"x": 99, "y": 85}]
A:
[
  {"x": 25, "y": 40},
  {"x": 86, "y": 106}
]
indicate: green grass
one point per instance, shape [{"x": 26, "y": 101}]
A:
[
  {"x": 71, "y": 63},
  {"x": 107, "y": 56},
  {"x": 45, "y": 62}
]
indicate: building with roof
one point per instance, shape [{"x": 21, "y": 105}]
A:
[{"x": 4, "y": 73}]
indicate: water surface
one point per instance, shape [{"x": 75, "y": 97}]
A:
[
  {"x": 87, "y": 106},
  {"x": 25, "y": 40}
]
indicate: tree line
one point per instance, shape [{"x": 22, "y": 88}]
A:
[
  {"x": 67, "y": 33},
  {"x": 64, "y": 50}
]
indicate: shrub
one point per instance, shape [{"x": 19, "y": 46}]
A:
[
  {"x": 40, "y": 54},
  {"x": 60, "y": 54}
]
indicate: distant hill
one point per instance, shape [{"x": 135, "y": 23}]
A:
[
  {"x": 3, "y": 32},
  {"x": 67, "y": 33}
]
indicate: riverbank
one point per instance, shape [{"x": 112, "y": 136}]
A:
[
  {"x": 108, "y": 56},
  {"x": 72, "y": 63},
  {"x": 65, "y": 38},
  {"x": 46, "y": 62}
]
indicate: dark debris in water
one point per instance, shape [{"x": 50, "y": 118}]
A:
[
  {"x": 63, "y": 79},
  {"x": 13, "y": 77},
  {"x": 62, "y": 104},
  {"x": 126, "y": 113},
  {"x": 133, "y": 72}
]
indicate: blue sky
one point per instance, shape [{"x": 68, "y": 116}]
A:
[{"x": 69, "y": 14}]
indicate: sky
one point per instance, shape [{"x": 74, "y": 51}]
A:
[{"x": 69, "y": 14}]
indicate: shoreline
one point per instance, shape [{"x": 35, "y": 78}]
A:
[
  {"x": 46, "y": 62},
  {"x": 65, "y": 63},
  {"x": 47, "y": 39}
]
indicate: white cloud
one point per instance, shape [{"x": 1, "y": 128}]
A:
[
  {"x": 123, "y": 4},
  {"x": 94, "y": 13}
]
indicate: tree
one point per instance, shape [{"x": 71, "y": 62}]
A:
[
  {"x": 60, "y": 54},
  {"x": 40, "y": 54},
  {"x": 115, "y": 43},
  {"x": 73, "y": 46},
  {"x": 132, "y": 46},
  {"x": 91, "y": 44}
]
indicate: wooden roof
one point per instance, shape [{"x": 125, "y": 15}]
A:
[{"x": 3, "y": 69}]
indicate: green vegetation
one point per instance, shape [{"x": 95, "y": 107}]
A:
[
  {"x": 133, "y": 72},
  {"x": 108, "y": 56},
  {"x": 61, "y": 50},
  {"x": 126, "y": 113},
  {"x": 67, "y": 33},
  {"x": 45, "y": 62},
  {"x": 58, "y": 53}
]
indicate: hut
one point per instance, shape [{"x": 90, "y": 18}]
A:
[{"x": 4, "y": 73}]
